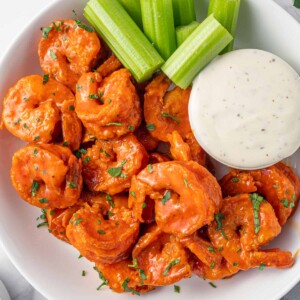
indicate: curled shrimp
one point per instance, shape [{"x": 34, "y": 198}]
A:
[
  {"x": 186, "y": 196},
  {"x": 123, "y": 276},
  {"x": 40, "y": 111},
  {"x": 161, "y": 258},
  {"x": 109, "y": 107},
  {"x": 107, "y": 166},
  {"x": 278, "y": 184},
  {"x": 67, "y": 50},
  {"x": 58, "y": 220},
  {"x": 47, "y": 176},
  {"x": 167, "y": 111},
  {"x": 244, "y": 224},
  {"x": 103, "y": 240}
]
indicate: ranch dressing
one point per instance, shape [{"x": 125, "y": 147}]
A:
[{"x": 244, "y": 109}]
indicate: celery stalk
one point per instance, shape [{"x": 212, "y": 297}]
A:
[
  {"x": 124, "y": 37},
  {"x": 226, "y": 12},
  {"x": 201, "y": 47},
  {"x": 184, "y": 12},
  {"x": 158, "y": 25},
  {"x": 133, "y": 7},
  {"x": 182, "y": 32}
]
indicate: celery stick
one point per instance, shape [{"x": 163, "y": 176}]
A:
[
  {"x": 133, "y": 7},
  {"x": 226, "y": 12},
  {"x": 124, "y": 37},
  {"x": 184, "y": 12},
  {"x": 182, "y": 32},
  {"x": 158, "y": 25},
  {"x": 201, "y": 47}
]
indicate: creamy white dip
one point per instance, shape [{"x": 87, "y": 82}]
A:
[{"x": 244, "y": 109}]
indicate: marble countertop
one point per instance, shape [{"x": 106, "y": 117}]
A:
[{"x": 22, "y": 11}]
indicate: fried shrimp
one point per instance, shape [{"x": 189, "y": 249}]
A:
[
  {"x": 47, "y": 176},
  {"x": 67, "y": 50},
  {"x": 161, "y": 257},
  {"x": 107, "y": 167},
  {"x": 277, "y": 184},
  {"x": 38, "y": 110},
  {"x": 103, "y": 240},
  {"x": 185, "y": 201},
  {"x": 109, "y": 107},
  {"x": 167, "y": 111},
  {"x": 123, "y": 276},
  {"x": 244, "y": 224}
]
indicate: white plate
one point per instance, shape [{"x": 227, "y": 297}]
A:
[{"x": 51, "y": 266}]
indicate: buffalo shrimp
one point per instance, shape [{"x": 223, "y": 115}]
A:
[
  {"x": 47, "y": 176},
  {"x": 109, "y": 107},
  {"x": 246, "y": 223},
  {"x": 103, "y": 239},
  {"x": 39, "y": 110},
  {"x": 108, "y": 167},
  {"x": 186, "y": 196},
  {"x": 68, "y": 49}
]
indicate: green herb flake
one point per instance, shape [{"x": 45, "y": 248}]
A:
[
  {"x": 83, "y": 273},
  {"x": 212, "y": 265},
  {"x": 186, "y": 183},
  {"x": 219, "y": 217},
  {"x": 94, "y": 96},
  {"x": 275, "y": 186},
  {"x": 235, "y": 264},
  {"x": 114, "y": 124},
  {"x": 101, "y": 231},
  {"x": 43, "y": 200},
  {"x": 131, "y": 128},
  {"x": 150, "y": 127},
  {"x": 134, "y": 263},
  {"x": 110, "y": 201},
  {"x": 53, "y": 55},
  {"x": 262, "y": 267},
  {"x": 110, "y": 214},
  {"x": 150, "y": 169},
  {"x": 79, "y": 152},
  {"x": 26, "y": 99},
  {"x": 72, "y": 185},
  {"x": 127, "y": 289},
  {"x": 52, "y": 212},
  {"x": 36, "y": 138},
  {"x": 115, "y": 172},
  {"x": 256, "y": 202},
  {"x": 45, "y": 78},
  {"x": 212, "y": 285},
  {"x": 239, "y": 250},
  {"x": 220, "y": 249},
  {"x": 77, "y": 222},
  {"x": 58, "y": 27},
  {"x": 45, "y": 32},
  {"x": 176, "y": 289},
  {"x": 80, "y": 256},
  {"x": 105, "y": 281},
  {"x": 172, "y": 264},
  {"x": 133, "y": 194},
  {"x": 83, "y": 26},
  {"x": 65, "y": 144},
  {"x": 166, "y": 197},
  {"x": 211, "y": 249},
  {"x": 71, "y": 107},
  {"x": 42, "y": 224},
  {"x": 35, "y": 152},
  {"x": 34, "y": 188},
  {"x": 235, "y": 179},
  {"x": 26, "y": 126},
  {"x": 86, "y": 160},
  {"x": 78, "y": 87},
  {"x": 144, "y": 205},
  {"x": 166, "y": 115}
]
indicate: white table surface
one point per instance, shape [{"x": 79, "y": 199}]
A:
[{"x": 13, "y": 17}]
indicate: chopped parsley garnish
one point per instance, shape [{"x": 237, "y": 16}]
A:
[
  {"x": 53, "y": 55},
  {"x": 256, "y": 202},
  {"x": 220, "y": 249},
  {"x": 83, "y": 26},
  {"x": 110, "y": 214},
  {"x": 144, "y": 205},
  {"x": 72, "y": 185},
  {"x": 101, "y": 231},
  {"x": 235, "y": 179},
  {"x": 150, "y": 127},
  {"x": 287, "y": 203},
  {"x": 79, "y": 152},
  {"x": 211, "y": 249},
  {"x": 25, "y": 126},
  {"x": 80, "y": 256},
  {"x": 150, "y": 169},
  {"x": 18, "y": 121},
  {"x": 166, "y": 197},
  {"x": 239, "y": 250},
  {"x": 212, "y": 285},
  {"x": 83, "y": 273},
  {"x": 135, "y": 266},
  {"x": 86, "y": 160},
  {"x": 45, "y": 32},
  {"x": 52, "y": 212},
  {"x": 77, "y": 222},
  {"x": 36, "y": 138},
  {"x": 105, "y": 281},
  {"x": 58, "y": 28},
  {"x": 65, "y": 144},
  {"x": 131, "y": 127},
  {"x": 275, "y": 186},
  {"x": 212, "y": 265},
  {"x": 43, "y": 200},
  {"x": 127, "y": 289},
  {"x": 78, "y": 87},
  {"x": 34, "y": 188},
  {"x": 177, "y": 289},
  {"x": 134, "y": 263},
  {"x": 71, "y": 107},
  {"x": 110, "y": 201},
  {"x": 35, "y": 151},
  {"x": 235, "y": 264},
  {"x": 262, "y": 267},
  {"x": 116, "y": 172},
  {"x": 186, "y": 183},
  {"x": 133, "y": 194},
  {"x": 114, "y": 124},
  {"x": 219, "y": 217},
  {"x": 172, "y": 264},
  {"x": 45, "y": 78},
  {"x": 166, "y": 115},
  {"x": 42, "y": 224},
  {"x": 26, "y": 99},
  {"x": 94, "y": 96},
  {"x": 103, "y": 151}
]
